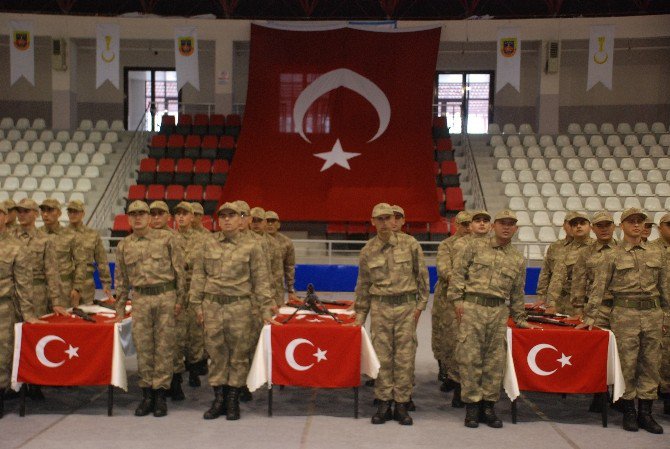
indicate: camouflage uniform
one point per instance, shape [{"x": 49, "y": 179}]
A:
[
  {"x": 288, "y": 261},
  {"x": 71, "y": 260},
  {"x": 95, "y": 255},
  {"x": 153, "y": 266},
  {"x": 392, "y": 284},
  {"x": 589, "y": 258},
  {"x": 553, "y": 254},
  {"x": 665, "y": 342},
  {"x": 560, "y": 284}
]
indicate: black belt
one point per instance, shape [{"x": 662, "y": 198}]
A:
[
  {"x": 488, "y": 301},
  {"x": 640, "y": 304},
  {"x": 223, "y": 299},
  {"x": 396, "y": 299},
  {"x": 155, "y": 289}
]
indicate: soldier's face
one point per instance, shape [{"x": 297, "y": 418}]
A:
[
  {"x": 49, "y": 215},
  {"x": 229, "y": 221},
  {"x": 633, "y": 226},
  {"x": 505, "y": 229},
  {"x": 664, "y": 230},
  {"x": 384, "y": 225},
  {"x": 604, "y": 230},
  {"x": 184, "y": 219},
  {"x": 75, "y": 216},
  {"x": 272, "y": 226},
  {"x": 244, "y": 222},
  {"x": 567, "y": 228},
  {"x": 258, "y": 225},
  {"x": 480, "y": 225},
  {"x": 11, "y": 216},
  {"x": 197, "y": 221},
  {"x": 159, "y": 218},
  {"x": 139, "y": 220},
  {"x": 27, "y": 217},
  {"x": 464, "y": 228},
  {"x": 646, "y": 231},
  {"x": 580, "y": 227},
  {"x": 3, "y": 220},
  {"x": 398, "y": 222}
]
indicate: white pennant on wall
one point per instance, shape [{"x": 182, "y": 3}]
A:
[
  {"x": 107, "y": 54},
  {"x": 601, "y": 56},
  {"x": 508, "y": 67},
  {"x": 186, "y": 56},
  {"x": 21, "y": 52}
]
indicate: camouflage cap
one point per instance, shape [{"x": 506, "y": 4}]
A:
[
  {"x": 188, "y": 207},
  {"x": 27, "y": 203},
  {"x": 3, "y": 208},
  {"x": 463, "y": 217},
  {"x": 10, "y": 204},
  {"x": 632, "y": 211},
  {"x": 579, "y": 215},
  {"x": 75, "y": 205},
  {"x": 51, "y": 203},
  {"x": 381, "y": 209},
  {"x": 243, "y": 207},
  {"x": 197, "y": 208},
  {"x": 398, "y": 210},
  {"x": 649, "y": 220},
  {"x": 160, "y": 205},
  {"x": 271, "y": 215},
  {"x": 569, "y": 216},
  {"x": 505, "y": 214},
  {"x": 602, "y": 216},
  {"x": 138, "y": 206},
  {"x": 258, "y": 212},
  {"x": 476, "y": 213},
  {"x": 664, "y": 219},
  {"x": 234, "y": 206}
]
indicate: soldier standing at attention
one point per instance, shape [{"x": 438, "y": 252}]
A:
[
  {"x": 230, "y": 281},
  {"x": 11, "y": 215},
  {"x": 486, "y": 273},
  {"x": 636, "y": 274},
  {"x": 648, "y": 226},
  {"x": 393, "y": 287},
  {"x": 444, "y": 322},
  {"x": 259, "y": 227},
  {"x": 398, "y": 218},
  {"x": 198, "y": 213},
  {"x": 160, "y": 216},
  {"x": 151, "y": 262},
  {"x": 93, "y": 250},
  {"x": 287, "y": 251},
  {"x": 552, "y": 255}
]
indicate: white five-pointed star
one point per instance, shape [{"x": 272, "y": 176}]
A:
[
  {"x": 336, "y": 157},
  {"x": 565, "y": 360},
  {"x": 314, "y": 320},
  {"x": 320, "y": 354},
  {"x": 72, "y": 351}
]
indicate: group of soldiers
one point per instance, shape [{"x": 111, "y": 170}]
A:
[{"x": 198, "y": 296}]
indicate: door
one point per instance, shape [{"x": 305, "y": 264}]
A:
[{"x": 153, "y": 90}]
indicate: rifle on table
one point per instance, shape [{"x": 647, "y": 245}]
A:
[
  {"x": 312, "y": 303},
  {"x": 83, "y": 315},
  {"x": 544, "y": 320}
]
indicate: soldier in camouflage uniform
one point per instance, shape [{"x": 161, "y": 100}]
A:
[
  {"x": 558, "y": 292},
  {"x": 444, "y": 325},
  {"x": 393, "y": 287},
  {"x": 94, "y": 253},
  {"x": 663, "y": 242},
  {"x": 160, "y": 216},
  {"x": 198, "y": 213},
  {"x": 486, "y": 273},
  {"x": 230, "y": 281},
  {"x": 259, "y": 226},
  {"x": 69, "y": 251},
  {"x": 398, "y": 218},
  {"x": 287, "y": 251},
  {"x": 552, "y": 255},
  {"x": 11, "y": 215},
  {"x": 636, "y": 274},
  {"x": 190, "y": 336},
  {"x": 16, "y": 288},
  {"x": 151, "y": 262},
  {"x": 648, "y": 227}
]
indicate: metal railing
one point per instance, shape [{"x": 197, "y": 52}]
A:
[{"x": 471, "y": 166}]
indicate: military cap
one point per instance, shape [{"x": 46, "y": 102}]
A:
[
  {"x": 601, "y": 216},
  {"x": 476, "y": 213},
  {"x": 197, "y": 208},
  {"x": 398, "y": 210},
  {"x": 664, "y": 219},
  {"x": 138, "y": 206},
  {"x": 10, "y": 204},
  {"x": 3, "y": 208},
  {"x": 632, "y": 211},
  {"x": 579, "y": 215},
  {"x": 258, "y": 212},
  {"x": 505, "y": 214},
  {"x": 188, "y": 207},
  {"x": 75, "y": 205},
  {"x": 160, "y": 205},
  {"x": 27, "y": 203},
  {"x": 381, "y": 209},
  {"x": 243, "y": 207},
  {"x": 271, "y": 215},
  {"x": 569, "y": 216},
  {"x": 649, "y": 220},
  {"x": 463, "y": 217},
  {"x": 52, "y": 203},
  {"x": 234, "y": 206}
]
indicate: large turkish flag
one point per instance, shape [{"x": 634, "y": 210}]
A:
[
  {"x": 68, "y": 351},
  {"x": 560, "y": 361},
  {"x": 336, "y": 121},
  {"x": 316, "y": 355}
]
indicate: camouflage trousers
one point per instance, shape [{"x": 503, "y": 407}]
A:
[
  {"x": 450, "y": 338},
  {"x": 602, "y": 319},
  {"x": 195, "y": 337},
  {"x": 227, "y": 329},
  {"x": 393, "y": 332},
  {"x": 638, "y": 337},
  {"x": 564, "y": 305},
  {"x": 153, "y": 329},
  {"x": 254, "y": 332},
  {"x": 66, "y": 289},
  {"x": 7, "y": 320},
  {"x": 437, "y": 321},
  {"x": 41, "y": 301},
  {"x": 480, "y": 351},
  {"x": 88, "y": 289},
  {"x": 665, "y": 364},
  {"x": 180, "y": 341}
]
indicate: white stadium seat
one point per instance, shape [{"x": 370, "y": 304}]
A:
[
  {"x": 632, "y": 201},
  {"x": 554, "y": 203},
  {"x": 556, "y": 164},
  {"x": 662, "y": 189},
  {"x": 613, "y": 204},
  {"x": 95, "y": 137},
  {"x": 591, "y": 164},
  {"x": 47, "y": 158},
  {"x": 508, "y": 176},
  {"x": 56, "y": 171},
  {"x": 516, "y": 151},
  {"x": 509, "y": 128},
  {"x": 585, "y": 151},
  {"x": 58, "y": 196},
  {"x": 494, "y": 128},
  {"x": 580, "y": 176},
  {"x": 7, "y": 123},
  {"x": 5, "y": 170},
  {"x": 631, "y": 140},
  {"x": 530, "y": 189},
  {"x": 641, "y": 128},
  {"x": 635, "y": 176},
  {"x": 88, "y": 148},
  {"x": 21, "y": 146},
  {"x": 648, "y": 140},
  {"x": 596, "y": 141},
  {"x": 29, "y": 184},
  {"x": 544, "y": 176},
  {"x": 523, "y": 219},
  {"x": 609, "y": 164},
  {"x": 656, "y": 151},
  {"x": 79, "y": 196},
  {"x": 654, "y": 176},
  {"x": 645, "y": 164},
  {"x": 574, "y": 203},
  {"x": 562, "y": 140},
  {"x": 517, "y": 203},
  {"x": 22, "y": 123},
  {"x": 73, "y": 171},
  {"x": 503, "y": 164},
  {"x": 568, "y": 151},
  {"x": 30, "y": 158},
  {"x": 624, "y": 189},
  {"x": 13, "y": 135},
  {"x": 657, "y": 216},
  {"x": 521, "y": 164},
  {"x": 526, "y": 176},
  {"x": 526, "y": 234},
  {"x": 83, "y": 185},
  {"x": 547, "y": 234},
  {"x": 658, "y": 128},
  {"x": 663, "y": 163},
  {"x": 38, "y": 171},
  {"x": 590, "y": 128},
  {"x": 72, "y": 147},
  {"x": 525, "y": 128},
  {"x": 538, "y": 164},
  {"x": 579, "y": 141},
  {"x": 593, "y": 204},
  {"x": 567, "y": 189},
  {"x": 46, "y": 135},
  {"x": 598, "y": 175},
  {"x": 30, "y": 135},
  {"x": 586, "y": 189},
  {"x": 13, "y": 158},
  {"x": 48, "y": 184},
  {"x": 512, "y": 189},
  {"x": 548, "y": 189},
  {"x": 39, "y": 196},
  {"x": 65, "y": 185},
  {"x": 638, "y": 151},
  {"x": 607, "y": 128},
  {"x": 102, "y": 125},
  {"x": 86, "y": 125},
  {"x": 19, "y": 195},
  {"x": 500, "y": 151},
  {"x": 643, "y": 189},
  {"x": 535, "y": 203},
  {"x": 63, "y": 136},
  {"x": 546, "y": 141},
  {"x": 605, "y": 189},
  {"x": 652, "y": 204},
  {"x": 550, "y": 151},
  {"x": 529, "y": 140},
  {"x": 38, "y": 147},
  {"x": 574, "y": 128},
  {"x": 117, "y": 125},
  {"x": 573, "y": 164},
  {"x": 64, "y": 159},
  {"x": 603, "y": 151},
  {"x": 81, "y": 159},
  {"x": 105, "y": 148},
  {"x": 5, "y": 145},
  {"x": 620, "y": 151},
  {"x": 627, "y": 164},
  {"x": 624, "y": 128},
  {"x": 562, "y": 176},
  {"x": 11, "y": 183},
  {"x": 541, "y": 218},
  {"x": 534, "y": 152},
  {"x": 111, "y": 137},
  {"x": 558, "y": 218},
  {"x": 496, "y": 140},
  {"x": 55, "y": 147},
  {"x": 613, "y": 140},
  {"x": 664, "y": 140},
  {"x": 92, "y": 172}
]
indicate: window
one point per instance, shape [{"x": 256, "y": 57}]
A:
[{"x": 464, "y": 99}]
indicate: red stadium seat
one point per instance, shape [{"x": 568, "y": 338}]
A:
[
  {"x": 165, "y": 171},
  {"x": 358, "y": 231},
  {"x": 200, "y": 124},
  {"x": 217, "y": 124},
  {"x": 208, "y": 147},
  {"x": 226, "y": 148},
  {"x": 211, "y": 198},
  {"x": 454, "y": 199},
  {"x": 450, "y": 176},
  {"x": 137, "y": 192},
  {"x": 167, "y": 124},
  {"x": 439, "y": 194},
  {"x": 418, "y": 230},
  {"x": 220, "y": 171},
  {"x": 449, "y": 168},
  {"x": 439, "y": 230},
  {"x": 174, "y": 194},
  {"x": 233, "y": 125},
  {"x": 157, "y": 146},
  {"x": 175, "y": 146},
  {"x": 120, "y": 228},
  {"x": 155, "y": 192},
  {"x": 444, "y": 144},
  {"x": 183, "y": 173},
  {"x": 184, "y": 124},
  {"x": 202, "y": 171},
  {"x": 193, "y": 193},
  {"x": 440, "y": 127},
  {"x": 147, "y": 171},
  {"x": 192, "y": 146}
]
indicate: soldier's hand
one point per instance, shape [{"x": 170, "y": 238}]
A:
[
  {"x": 273, "y": 321},
  {"x": 665, "y": 330},
  {"x": 417, "y": 315},
  {"x": 109, "y": 295},
  {"x": 177, "y": 310},
  {"x": 532, "y": 326},
  {"x": 459, "y": 312},
  {"x": 274, "y": 309},
  {"x": 550, "y": 311},
  {"x": 200, "y": 318},
  {"x": 59, "y": 310},
  {"x": 293, "y": 297},
  {"x": 75, "y": 298},
  {"x": 35, "y": 321},
  {"x": 584, "y": 326}
]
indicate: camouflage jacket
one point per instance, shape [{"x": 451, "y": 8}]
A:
[
  {"x": 560, "y": 283},
  {"x": 16, "y": 277},
  {"x": 71, "y": 257},
  {"x": 94, "y": 253},
  {"x": 589, "y": 258},
  {"x": 553, "y": 253}
]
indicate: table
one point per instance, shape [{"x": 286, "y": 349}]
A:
[
  {"x": 312, "y": 351},
  {"x": 69, "y": 351},
  {"x": 588, "y": 362}
]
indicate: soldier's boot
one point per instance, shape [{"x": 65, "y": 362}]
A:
[
  {"x": 383, "y": 414},
  {"x": 629, "y": 415},
  {"x": 666, "y": 403},
  {"x": 411, "y": 406},
  {"x": 147, "y": 404},
  {"x": 441, "y": 372},
  {"x": 160, "y": 405},
  {"x": 489, "y": 416},
  {"x": 35, "y": 393},
  {"x": 218, "y": 407},
  {"x": 11, "y": 394},
  {"x": 618, "y": 406},
  {"x": 456, "y": 401},
  {"x": 472, "y": 415},
  {"x": 245, "y": 394},
  {"x": 193, "y": 375},
  {"x": 448, "y": 385},
  {"x": 644, "y": 419},
  {"x": 370, "y": 383},
  {"x": 400, "y": 414},
  {"x": 203, "y": 368},
  {"x": 596, "y": 403},
  {"x": 176, "y": 392},
  {"x": 2, "y": 402},
  {"x": 233, "y": 404}
]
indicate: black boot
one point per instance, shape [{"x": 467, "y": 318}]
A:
[
  {"x": 618, "y": 406},
  {"x": 203, "y": 368},
  {"x": 160, "y": 406},
  {"x": 666, "y": 403},
  {"x": 218, "y": 407},
  {"x": 411, "y": 407},
  {"x": 448, "y": 385},
  {"x": 472, "y": 415},
  {"x": 370, "y": 383},
  {"x": 489, "y": 416},
  {"x": 176, "y": 392},
  {"x": 441, "y": 372},
  {"x": 233, "y": 404},
  {"x": 245, "y": 394},
  {"x": 35, "y": 393},
  {"x": 456, "y": 401},
  {"x": 147, "y": 404},
  {"x": 644, "y": 419},
  {"x": 193, "y": 375},
  {"x": 400, "y": 414},
  {"x": 384, "y": 412},
  {"x": 2, "y": 402},
  {"x": 629, "y": 415},
  {"x": 11, "y": 394}
]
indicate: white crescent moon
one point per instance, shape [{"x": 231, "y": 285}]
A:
[
  {"x": 342, "y": 78},
  {"x": 290, "y": 354},
  {"x": 39, "y": 351},
  {"x": 532, "y": 363}
]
